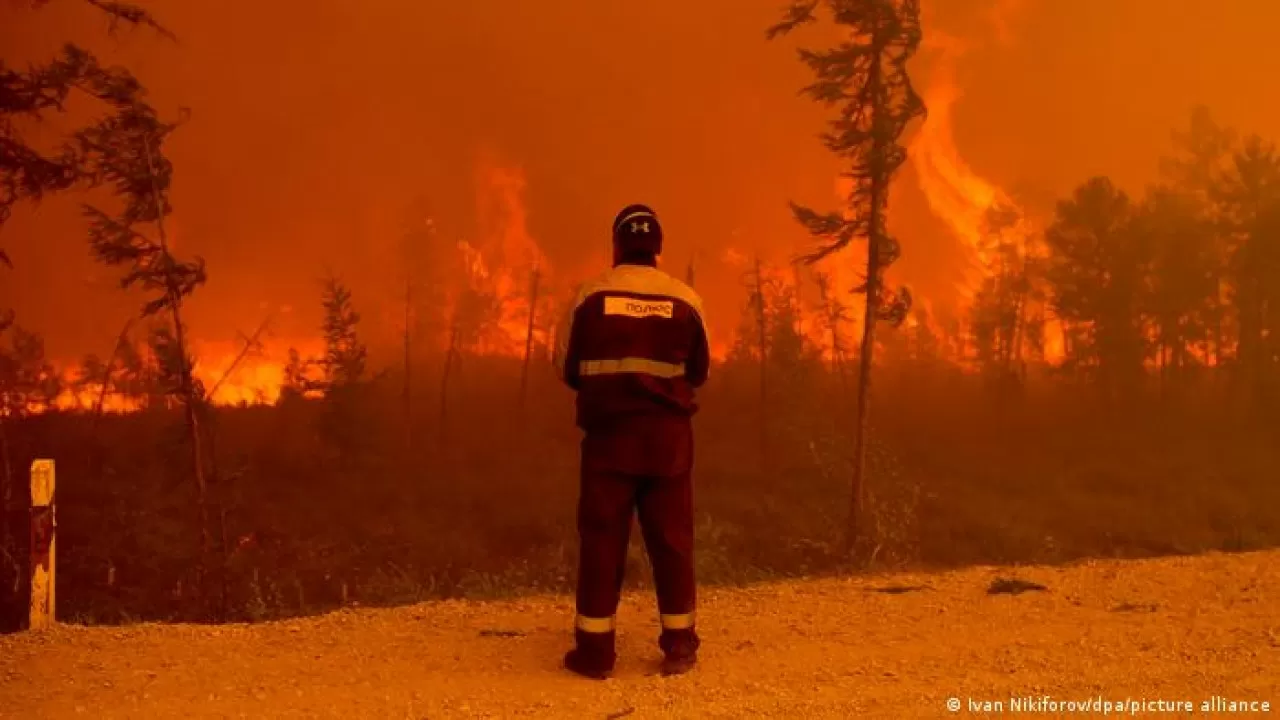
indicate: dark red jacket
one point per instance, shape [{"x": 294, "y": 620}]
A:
[{"x": 635, "y": 345}]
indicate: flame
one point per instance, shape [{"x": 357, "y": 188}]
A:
[
  {"x": 496, "y": 272},
  {"x": 958, "y": 195},
  {"x": 87, "y": 398},
  {"x": 734, "y": 258},
  {"x": 229, "y": 377},
  {"x": 500, "y": 265},
  {"x": 780, "y": 281},
  {"x": 258, "y": 376},
  {"x": 955, "y": 193},
  {"x": 506, "y": 260}
]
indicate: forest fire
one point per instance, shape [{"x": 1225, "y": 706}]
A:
[
  {"x": 342, "y": 273},
  {"x": 486, "y": 289},
  {"x": 505, "y": 271}
]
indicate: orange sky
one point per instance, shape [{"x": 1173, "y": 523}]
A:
[{"x": 313, "y": 131}]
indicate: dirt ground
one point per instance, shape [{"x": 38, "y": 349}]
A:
[{"x": 900, "y": 646}]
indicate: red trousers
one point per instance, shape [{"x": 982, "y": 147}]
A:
[{"x": 642, "y": 467}]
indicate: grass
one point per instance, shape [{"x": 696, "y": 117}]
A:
[{"x": 322, "y": 510}]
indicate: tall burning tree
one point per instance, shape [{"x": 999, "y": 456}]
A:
[{"x": 865, "y": 79}]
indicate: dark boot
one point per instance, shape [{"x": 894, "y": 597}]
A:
[
  {"x": 679, "y": 650},
  {"x": 594, "y": 656}
]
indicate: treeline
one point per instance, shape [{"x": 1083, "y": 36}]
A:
[
  {"x": 1171, "y": 295},
  {"x": 424, "y": 474},
  {"x": 1179, "y": 285}
]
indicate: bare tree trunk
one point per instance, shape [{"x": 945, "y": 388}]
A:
[
  {"x": 1023, "y": 298},
  {"x": 833, "y": 314},
  {"x": 221, "y": 497},
  {"x": 7, "y": 550},
  {"x": 1068, "y": 350},
  {"x": 857, "y": 501},
  {"x": 449, "y": 353},
  {"x": 249, "y": 344},
  {"x": 1019, "y": 336},
  {"x": 224, "y": 589},
  {"x": 1162, "y": 363},
  {"x": 763, "y": 334},
  {"x": 217, "y": 503},
  {"x": 528, "y": 334},
  {"x": 187, "y": 385},
  {"x": 797, "y": 318},
  {"x": 408, "y": 365},
  {"x": 1249, "y": 347},
  {"x": 841, "y": 369},
  {"x": 121, "y": 339},
  {"x": 195, "y": 432},
  {"x": 863, "y": 408},
  {"x": 1218, "y": 331}
]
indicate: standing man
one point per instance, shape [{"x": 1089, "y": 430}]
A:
[{"x": 634, "y": 350}]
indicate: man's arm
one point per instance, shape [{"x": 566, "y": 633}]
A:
[
  {"x": 698, "y": 366},
  {"x": 566, "y": 352}
]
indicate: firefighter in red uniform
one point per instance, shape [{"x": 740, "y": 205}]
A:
[{"x": 634, "y": 350}]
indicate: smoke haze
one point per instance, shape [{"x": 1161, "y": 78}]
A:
[{"x": 315, "y": 128}]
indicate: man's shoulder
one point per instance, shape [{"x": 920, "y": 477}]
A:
[
  {"x": 677, "y": 288},
  {"x": 639, "y": 280}
]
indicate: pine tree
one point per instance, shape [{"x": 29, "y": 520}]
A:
[
  {"x": 28, "y": 381},
  {"x": 1182, "y": 289},
  {"x": 1196, "y": 172},
  {"x": 27, "y": 173},
  {"x": 1250, "y": 197},
  {"x": 422, "y": 264},
  {"x": 297, "y": 381},
  {"x": 865, "y": 79},
  {"x": 1003, "y": 313},
  {"x": 345, "y": 355},
  {"x": 535, "y": 280},
  {"x": 1097, "y": 270},
  {"x": 125, "y": 151},
  {"x": 343, "y": 420},
  {"x": 833, "y": 314}
]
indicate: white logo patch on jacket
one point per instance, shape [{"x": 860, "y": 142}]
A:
[{"x": 631, "y": 307}]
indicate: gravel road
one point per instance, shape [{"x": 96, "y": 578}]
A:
[{"x": 1197, "y": 629}]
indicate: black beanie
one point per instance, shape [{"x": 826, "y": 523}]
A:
[{"x": 636, "y": 231}]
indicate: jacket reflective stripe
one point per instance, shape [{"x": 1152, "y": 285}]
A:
[
  {"x": 677, "y": 622},
  {"x": 594, "y": 625},
  {"x": 631, "y": 365}
]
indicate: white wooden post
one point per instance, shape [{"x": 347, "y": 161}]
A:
[{"x": 43, "y": 525}]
